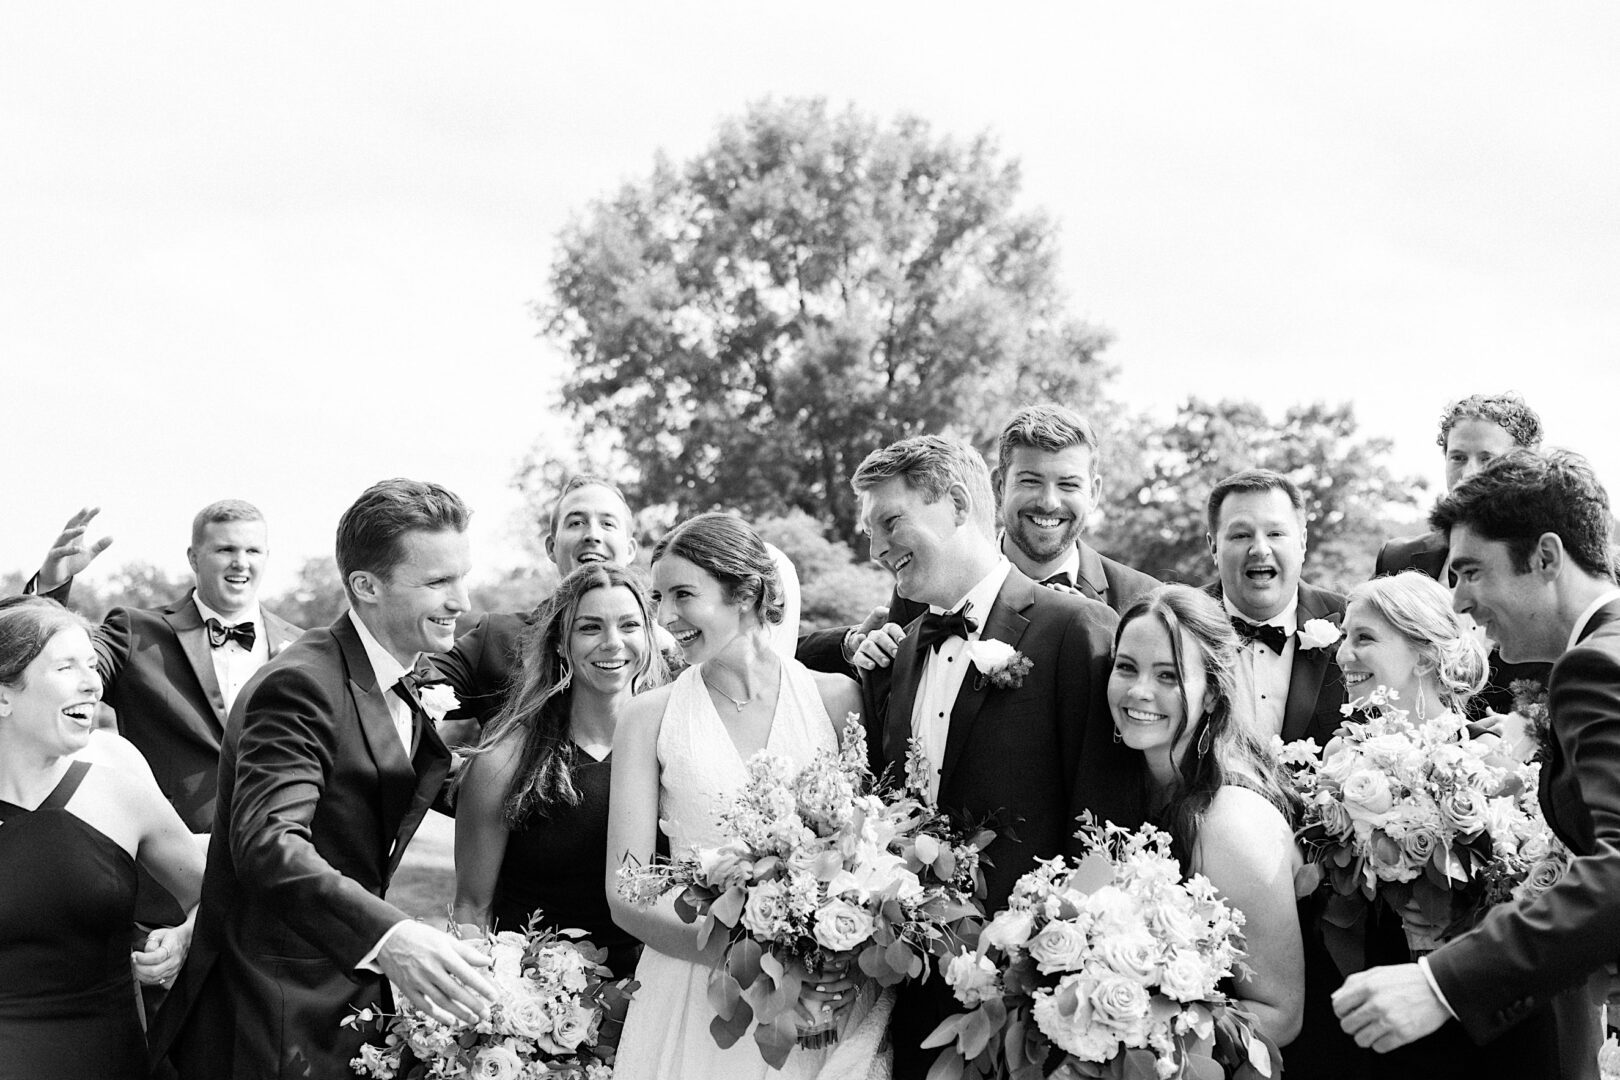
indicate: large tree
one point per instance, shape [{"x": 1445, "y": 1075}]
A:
[
  {"x": 746, "y": 327},
  {"x": 1159, "y": 485}
]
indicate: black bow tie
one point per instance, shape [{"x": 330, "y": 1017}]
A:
[
  {"x": 410, "y": 687},
  {"x": 1061, "y": 578},
  {"x": 218, "y": 634},
  {"x": 938, "y": 628},
  {"x": 1270, "y": 635}
]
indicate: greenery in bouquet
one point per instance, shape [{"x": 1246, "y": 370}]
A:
[
  {"x": 1106, "y": 966},
  {"x": 1530, "y": 702},
  {"x": 823, "y": 871},
  {"x": 1410, "y": 814},
  {"x": 557, "y": 1016}
]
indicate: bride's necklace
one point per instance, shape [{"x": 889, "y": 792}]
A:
[{"x": 740, "y": 703}]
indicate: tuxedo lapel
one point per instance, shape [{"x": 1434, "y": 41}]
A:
[
  {"x": 376, "y": 723},
  {"x": 1306, "y": 675},
  {"x": 187, "y": 623},
  {"x": 279, "y": 632},
  {"x": 432, "y": 765},
  {"x": 1005, "y": 623},
  {"x": 903, "y": 687},
  {"x": 1092, "y": 581}
]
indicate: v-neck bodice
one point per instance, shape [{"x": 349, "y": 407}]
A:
[{"x": 699, "y": 763}]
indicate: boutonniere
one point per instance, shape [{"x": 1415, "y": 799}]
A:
[
  {"x": 999, "y": 663},
  {"x": 1318, "y": 634},
  {"x": 438, "y": 700}
]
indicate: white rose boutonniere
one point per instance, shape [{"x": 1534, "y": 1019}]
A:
[
  {"x": 438, "y": 700},
  {"x": 998, "y": 662},
  {"x": 1318, "y": 634}
]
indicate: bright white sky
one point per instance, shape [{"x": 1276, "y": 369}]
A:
[{"x": 281, "y": 252}]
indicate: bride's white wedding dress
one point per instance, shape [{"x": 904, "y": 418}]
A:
[{"x": 666, "y": 1032}]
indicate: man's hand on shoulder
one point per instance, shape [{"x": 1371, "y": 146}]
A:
[
  {"x": 873, "y": 643},
  {"x": 438, "y": 973},
  {"x": 69, "y": 553}
]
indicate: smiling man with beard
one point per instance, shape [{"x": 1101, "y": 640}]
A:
[{"x": 1046, "y": 483}]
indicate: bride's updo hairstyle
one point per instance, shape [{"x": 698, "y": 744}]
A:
[
  {"x": 27, "y": 624},
  {"x": 730, "y": 551},
  {"x": 1419, "y": 609}
]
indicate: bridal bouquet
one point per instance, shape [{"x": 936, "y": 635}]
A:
[
  {"x": 1414, "y": 813},
  {"x": 1112, "y": 966},
  {"x": 821, "y": 873},
  {"x": 557, "y": 1017}
]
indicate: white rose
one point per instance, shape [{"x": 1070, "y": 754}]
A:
[
  {"x": 988, "y": 654},
  {"x": 497, "y": 1062},
  {"x": 1186, "y": 977},
  {"x": 1060, "y": 946},
  {"x": 1065, "y": 1016},
  {"x": 1010, "y": 929},
  {"x": 765, "y": 911},
  {"x": 438, "y": 699},
  {"x": 574, "y": 1027},
  {"x": 972, "y": 977},
  {"x": 840, "y": 925},
  {"x": 1317, "y": 634}
]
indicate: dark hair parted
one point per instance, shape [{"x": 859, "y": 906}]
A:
[
  {"x": 225, "y": 510},
  {"x": 1518, "y": 497},
  {"x": 1048, "y": 427},
  {"x": 370, "y": 533},
  {"x": 1247, "y": 482},
  {"x": 1506, "y": 411},
  {"x": 1221, "y": 749},
  {"x": 27, "y": 624},
  {"x": 729, "y": 550},
  {"x": 538, "y": 710}
]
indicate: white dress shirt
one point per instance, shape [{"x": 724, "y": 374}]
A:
[
  {"x": 388, "y": 672},
  {"x": 1262, "y": 675},
  {"x": 943, "y": 671},
  {"x": 234, "y": 665}
]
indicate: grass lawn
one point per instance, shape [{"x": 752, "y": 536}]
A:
[{"x": 425, "y": 882}]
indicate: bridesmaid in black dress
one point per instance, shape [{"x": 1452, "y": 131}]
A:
[
  {"x": 70, "y": 836},
  {"x": 532, "y": 810}
]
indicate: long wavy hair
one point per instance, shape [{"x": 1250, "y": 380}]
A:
[
  {"x": 539, "y": 707},
  {"x": 1221, "y": 749}
]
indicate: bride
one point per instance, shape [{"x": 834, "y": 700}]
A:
[{"x": 678, "y": 751}]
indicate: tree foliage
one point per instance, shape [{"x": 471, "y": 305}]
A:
[
  {"x": 1157, "y": 489},
  {"x": 749, "y": 325}
]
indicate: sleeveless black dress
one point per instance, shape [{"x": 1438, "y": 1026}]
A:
[
  {"x": 554, "y": 865},
  {"x": 67, "y": 907}
]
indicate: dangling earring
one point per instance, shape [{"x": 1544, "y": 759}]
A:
[
  {"x": 1117, "y": 736},
  {"x": 1422, "y": 710},
  {"x": 1204, "y": 737}
]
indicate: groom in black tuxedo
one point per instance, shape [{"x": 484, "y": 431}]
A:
[
  {"x": 1529, "y": 543},
  {"x": 328, "y": 765},
  {"x": 1035, "y": 754}
]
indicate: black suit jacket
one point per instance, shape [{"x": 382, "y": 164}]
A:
[
  {"x": 1553, "y": 949},
  {"x": 483, "y": 662},
  {"x": 1100, "y": 578},
  {"x": 1315, "y": 683},
  {"x": 317, "y": 800},
  {"x": 1427, "y": 553},
  {"x": 159, "y": 676},
  {"x": 1035, "y": 755}
]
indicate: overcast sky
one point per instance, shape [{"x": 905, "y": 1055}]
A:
[{"x": 280, "y": 253}]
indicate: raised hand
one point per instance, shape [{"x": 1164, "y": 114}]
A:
[
  {"x": 437, "y": 973},
  {"x": 70, "y": 554}
]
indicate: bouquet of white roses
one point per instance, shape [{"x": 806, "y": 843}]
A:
[
  {"x": 821, "y": 873},
  {"x": 1109, "y": 966},
  {"x": 557, "y": 1017},
  {"x": 1413, "y": 813}
]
